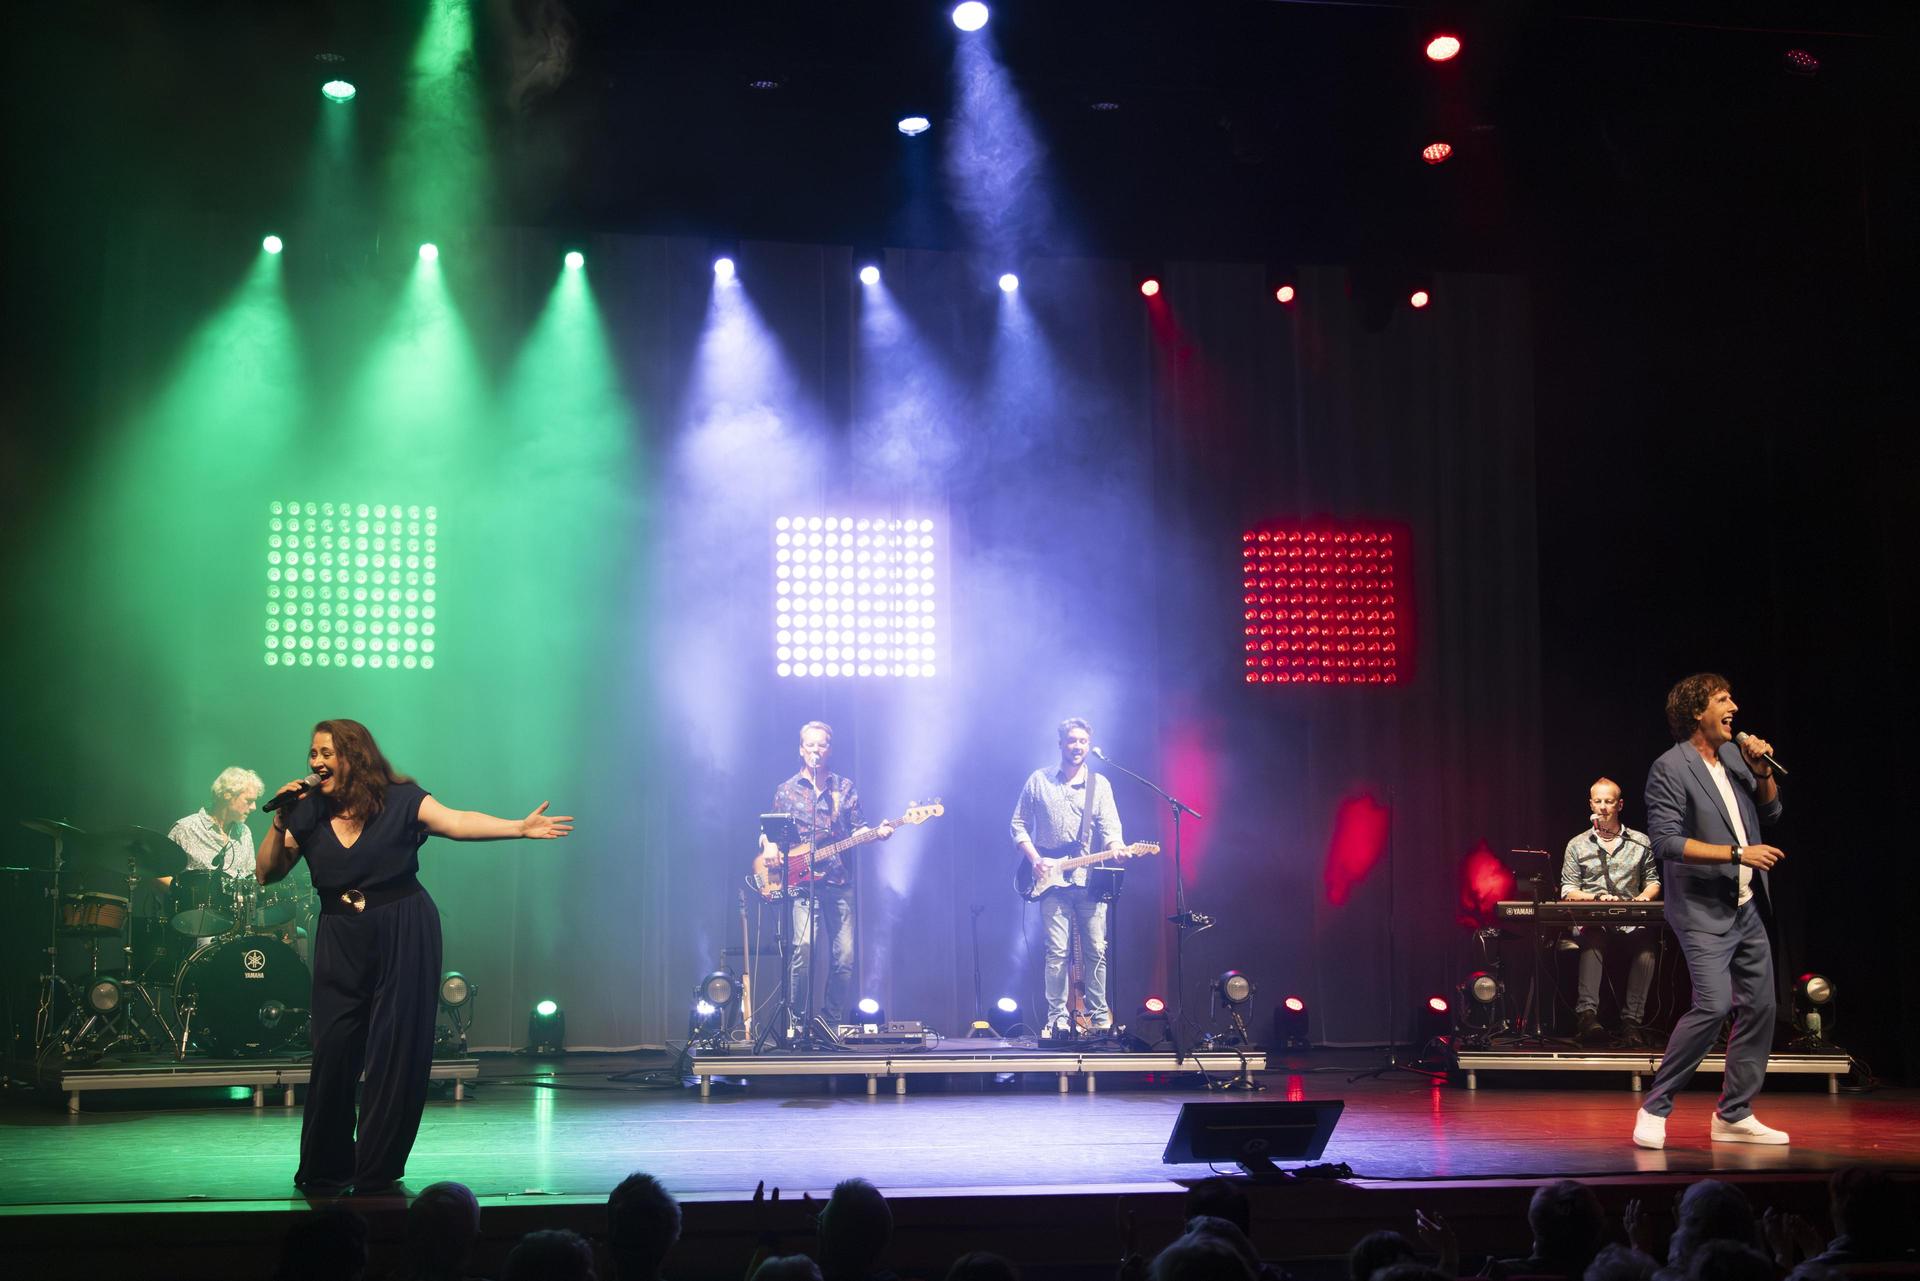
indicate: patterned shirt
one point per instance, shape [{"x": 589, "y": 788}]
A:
[
  {"x": 822, "y": 816},
  {"x": 1049, "y": 809},
  {"x": 1627, "y": 871},
  {"x": 208, "y": 845}
]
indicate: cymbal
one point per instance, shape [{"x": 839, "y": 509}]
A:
[
  {"x": 51, "y": 827},
  {"x": 151, "y": 852}
]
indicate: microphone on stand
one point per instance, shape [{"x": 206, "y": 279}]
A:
[
  {"x": 281, "y": 800},
  {"x": 1097, "y": 752}
]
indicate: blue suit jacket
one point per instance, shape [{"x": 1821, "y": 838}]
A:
[{"x": 1682, "y": 802}]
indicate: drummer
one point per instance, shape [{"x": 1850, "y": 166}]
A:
[{"x": 215, "y": 836}]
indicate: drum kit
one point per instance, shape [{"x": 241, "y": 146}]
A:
[{"x": 151, "y": 955}]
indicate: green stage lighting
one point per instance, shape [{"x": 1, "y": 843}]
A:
[
  {"x": 338, "y": 91},
  {"x": 575, "y": 260},
  {"x": 429, "y": 252},
  {"x": 547, "y": 1028},
  {"x": 352, "y": 585},
  {"x": 273, "y": 244}
]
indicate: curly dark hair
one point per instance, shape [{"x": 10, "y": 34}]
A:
[
  {"x": 368, "y": 772},
  {"x": 1689, "y": 698}
]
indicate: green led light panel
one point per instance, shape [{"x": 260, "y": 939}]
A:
[
  {"x": 854, "y": 597},
  {"x": 351, "y": 585}
]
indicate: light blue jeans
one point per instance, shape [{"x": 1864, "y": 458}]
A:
[{"x": 1056, "y": 911}]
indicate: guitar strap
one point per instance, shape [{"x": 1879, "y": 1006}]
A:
[{"x": 1086, "y": 818}]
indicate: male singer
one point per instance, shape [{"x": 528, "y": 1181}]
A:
[{"x": 1706, "y": 799}]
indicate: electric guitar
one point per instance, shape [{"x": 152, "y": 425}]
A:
[
  {"x": 1034, "y": 886},
  {"x": 776, "y": 876}
]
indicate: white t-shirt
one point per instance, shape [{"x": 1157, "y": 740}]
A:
[{"x": 1725, "y": 784}]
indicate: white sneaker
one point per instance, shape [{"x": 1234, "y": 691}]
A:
[
  {"x": 1747, "y": 1129},
  {"x": 1650, "y": 1131}
]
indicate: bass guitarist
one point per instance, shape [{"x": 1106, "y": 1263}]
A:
[
  {"x": 824, "y": 808},
  {"x": 1069, "y": 811}
]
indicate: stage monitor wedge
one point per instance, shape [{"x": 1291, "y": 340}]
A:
[{"x": 1252, "y": 1134}]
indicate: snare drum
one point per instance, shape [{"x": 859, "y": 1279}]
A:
[{"x": 94, "y": 913}]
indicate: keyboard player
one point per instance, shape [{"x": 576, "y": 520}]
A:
[{"x": 1611, "y": 863}]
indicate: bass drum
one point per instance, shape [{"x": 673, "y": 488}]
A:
[{"x": 244, "y": 997}]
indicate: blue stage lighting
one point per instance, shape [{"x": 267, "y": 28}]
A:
[
  {"x": 914, "y": 126},
  {"x": 970, "y": 16},
  {"x": 869, "y": 275},
  {"x": 723, "y": 269},
  {"x": 1009, "y": 283}
]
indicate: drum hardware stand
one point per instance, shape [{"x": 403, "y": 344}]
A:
[{"x": 980, "y": 1027}]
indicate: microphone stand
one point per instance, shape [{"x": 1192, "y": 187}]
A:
[{"x": 1183, "y": 920}]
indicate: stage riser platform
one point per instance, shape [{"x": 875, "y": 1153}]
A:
[{"x": 1637, "y": 1068}]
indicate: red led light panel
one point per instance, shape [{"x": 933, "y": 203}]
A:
[{"x": 1324, "y": 604}]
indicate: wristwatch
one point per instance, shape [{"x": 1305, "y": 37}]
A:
[{"x": 1736, "y": 855}]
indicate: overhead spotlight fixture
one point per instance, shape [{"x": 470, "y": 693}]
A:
[
  {"x": 273, "y": 244},
  {"x": 1009, "y": 282},
  {"x": 1436, "y": 152},
  {"x": 547, "y": 1028},
  {"x": 1283, "y": 293},
  {"x": 723, "y": 269},
  {"x": 913, "y": 126},
  {"x": 455, "y": 991},
  {"x": 869, "y": 275},
  {"x": 338, "y": 91},
  {"x": 1802, "y": 63},
  {"x": 429, "y": 252},
  {"x": 1103, "y": 104},
  {"x": 1004, "y": 1016},
  {"x": 970, "y": 16},
  {"x": 767, "y": 83},
  {"x": 1290, "y": 1024},
  {"x": 1149, "y": 272},
  {"x": 1444, "y": 47},
  {"x": 575, "y": 260},
  {"x": 1418, "y": 299},
  {"x": 1149, "y": 288}
]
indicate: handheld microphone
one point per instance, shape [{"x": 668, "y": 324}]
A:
[
  {"x": 1741, "y": 736},
  {"x": 283, "y": 799}
]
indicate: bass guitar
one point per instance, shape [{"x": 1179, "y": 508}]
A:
[
  {"x": 1054, "y": 872},
  {"x": 776, "y": 876}
]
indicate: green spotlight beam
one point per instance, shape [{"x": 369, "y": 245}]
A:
[{"x": 439, "y": 173}]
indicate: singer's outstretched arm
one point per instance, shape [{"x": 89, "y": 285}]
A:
[{"x": 472, "y": 825}]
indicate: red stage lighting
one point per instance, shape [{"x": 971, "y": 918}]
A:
[
  {"x": 1443, "y": 47},
  {"x": 1438, "y": 1004},
  {"x": 1419, "y": 298},
  {"x": 1321, "y": 606},
  {"x": 1154, "y": 1005},
  {"x": 1295, "y": 1004},
  {"x": 1435, "y": 152},
  {"x": 1283, "y": 294},
  {"x": 1149, "y": 287},
  {"x": 1802, "y": 63}
]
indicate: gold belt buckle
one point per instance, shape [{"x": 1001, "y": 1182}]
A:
[{"x": 355, "y": 900}]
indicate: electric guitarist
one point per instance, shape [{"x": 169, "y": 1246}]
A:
[
  {"x": 1064, "y": 811},
  {"x": 825, "y": 808}
]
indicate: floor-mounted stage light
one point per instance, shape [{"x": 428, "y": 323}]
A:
[
  {"x": 1476, "y": 1008},
  {"x": 869, "y": 1014},
  {"x": 104, "y": 995},
  {"x": 1004, "y": 1017},
  {"x": 1290, "y": 1024},
  {"x": 1433, "y": 1022},
  {"x": 456, "y": 1013},
  {"x": 547, "y": 1028},
  {"x": 710, "y": 1016},
  {"x": 1813, "y": 1009},
  {"x": 1149, "y": 1028},
  {"x": 1233, "y": 990}
]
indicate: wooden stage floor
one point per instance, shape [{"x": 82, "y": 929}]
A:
[{"x": 197, "y": 1183}]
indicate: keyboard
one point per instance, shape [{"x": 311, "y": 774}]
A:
[{"x": 1555, "y": 912}]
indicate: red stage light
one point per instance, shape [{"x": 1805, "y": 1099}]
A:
[
  {"x": 1149, "y": 287},
  {"x": 1154, "y": 1005},
  {"x": 1419, "y": 298},
  {"x": 1328, "y": 596},
  {"x": 1435, "y": 152},
  {"x": 1295, "y": 1004},
  {"x": 1438, "y": 1004},
  {"x": 1284, "y": 293},
  {"x": 1443, "y": 47},
  {"x": 1802, "y": 63}
]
